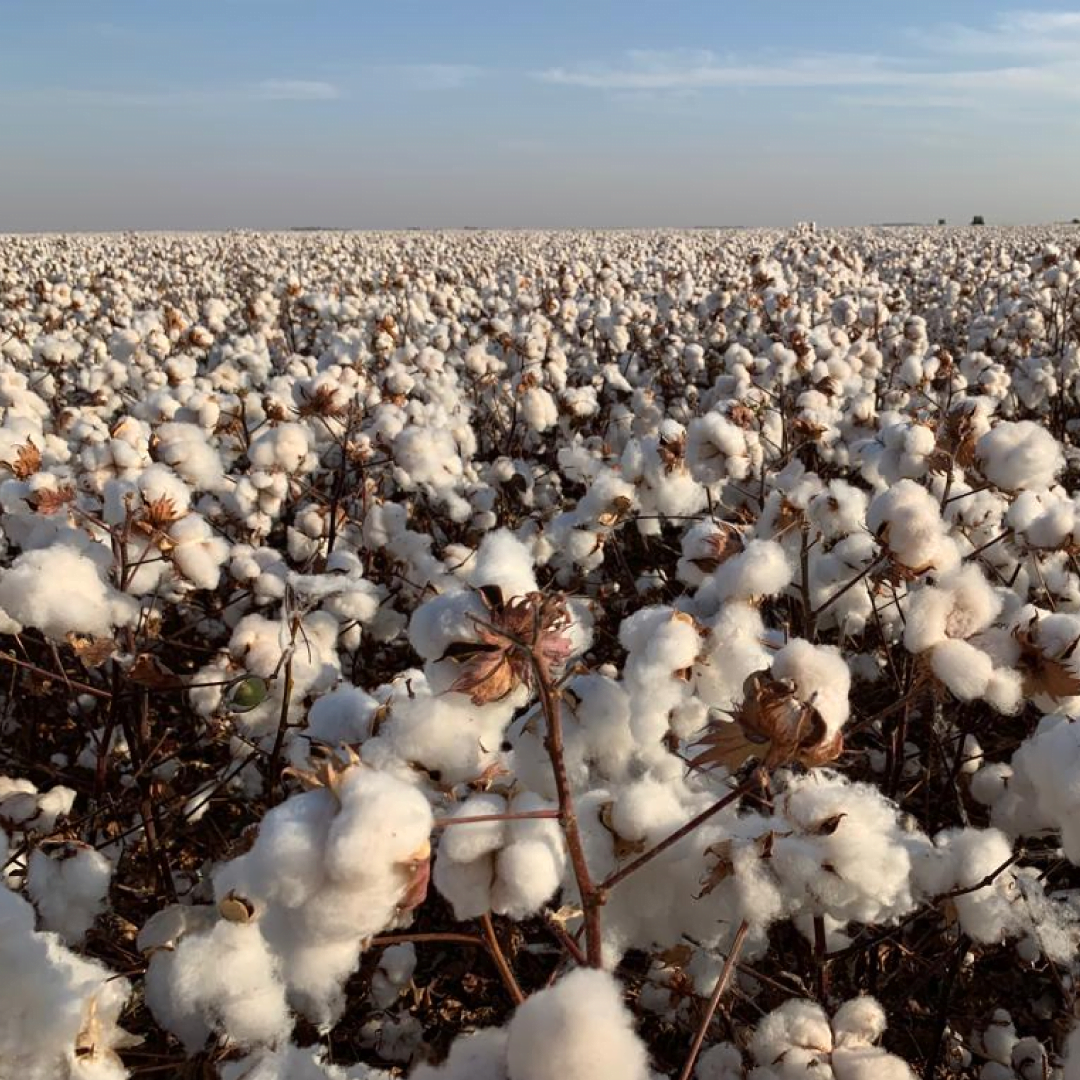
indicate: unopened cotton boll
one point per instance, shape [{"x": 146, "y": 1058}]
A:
[{"x": 578, "y": 1029}]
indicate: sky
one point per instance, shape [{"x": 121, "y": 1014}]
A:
[{"x": 219, "y": 114}]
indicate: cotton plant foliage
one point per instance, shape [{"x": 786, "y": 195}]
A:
[{"x": 618, "y": 621}]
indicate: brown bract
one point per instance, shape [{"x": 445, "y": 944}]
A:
[
  {"x": 512, "y": 632},
  {"x": 1052, "y": 675},
  {"x": 721, "y": 545},
  {"x": 772, "y": 726}
]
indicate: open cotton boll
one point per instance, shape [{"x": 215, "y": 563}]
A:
[
  {"x": 478, "y": 1055},
  {"x": 59, "y": 1012},
  {"x": 907, "y": 520},
  {"x": 963, "y": 668},
  {"x": 158, "y": 483},
  {"x": 957, "y": 606},
  {"x": 796, "y": 1034},
  {"x": 366, "y": 840},
  {"x": 821, "y": 678},
  {"x": 69, "y": 886},
  {"x": 58, "y": 590},
  {"x": 761, "y": 569},
  {"x": 396, "y": 966},
  {"x": 1019, "y": 455},
  {"x": 504, "y": 561},
  {"x": 225, "y": 980},
  {"x": 283, "y": 447},
  {"x": 185, "y": 447},
  {"x": 720, "y": 1062},
  {"x": 292, "y": 1062},
  {"x": 578, "y": 1029}
]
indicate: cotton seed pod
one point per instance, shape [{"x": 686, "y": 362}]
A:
[{"x": 247, "y": 694}]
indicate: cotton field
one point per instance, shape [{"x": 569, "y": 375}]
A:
[{"x": 540, "y": 656}]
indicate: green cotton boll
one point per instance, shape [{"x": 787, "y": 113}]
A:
[{"x": 248, "y": 694}]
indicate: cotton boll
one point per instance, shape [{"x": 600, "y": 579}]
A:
[
  {"x": 504, "y": 561},
  {"x": 761, "y": 569},
  {"x": 820, "y": 676},
  {"x": 478, "y": 1055},
  {"x": 796, "y": 1025},
  {"x": 958, "y": 606},
  {"x": 58, "y": 590},
  {"x": 1019, "y": 455},
  {"x": 222, "y": 979},
  {"x": 720, "y": 1062},
  {"x": 578, "y": 1029},
  {"x": 69, "y": 886},
  {"x": 395, "y": 970},
  {"x": 964, "y": 669},
  {"x": 48, "y": 997},
  {"x": 285, "y": 446}
]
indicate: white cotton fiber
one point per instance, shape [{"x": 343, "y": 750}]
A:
[
  {"x": 58, "y": 590},
  {"x": 579, "y": 1029},
  {"x": 1019, "y": 455},
  {"x": 503, "y": 560}
]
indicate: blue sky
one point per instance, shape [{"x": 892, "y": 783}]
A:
[{"x": 119, "y": 114}]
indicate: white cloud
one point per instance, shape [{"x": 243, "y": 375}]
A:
[
  {"x": 1039, "y": 56},
  {"x": 295, "y": 90}
]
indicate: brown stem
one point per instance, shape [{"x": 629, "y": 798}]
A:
[
  {"x": 821, "y": 962},
  {"x": 495, "y": 949},
  {"x": 714, "y": 1001},
  {"x": 592, "y": 898}
]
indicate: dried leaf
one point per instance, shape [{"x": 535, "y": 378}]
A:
[
  {"x": 722, "y": 869},
  {"x": 149, "y": 671},
  {"x": 51, "y": 500},
  {"x": 418, "y": 871},
  {"x": 27, "y": 461},
  {"x": 93, "y": 652}
]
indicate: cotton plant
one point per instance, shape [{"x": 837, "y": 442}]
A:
[{"x": 331, "y": 867}]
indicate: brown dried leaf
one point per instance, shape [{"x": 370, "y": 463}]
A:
[
  {"x": 27, "y": 461},
  {"x": 93, "y": 652},
  {"x": 149, "y": 671},
  {"x": 50, "y": 500}
]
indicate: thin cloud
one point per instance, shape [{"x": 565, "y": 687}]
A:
[
  {"x": 295, "y": 90},
  {"x": 1045, "y": 48}
]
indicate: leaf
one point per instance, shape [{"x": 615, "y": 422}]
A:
[
  {"x": 93, "y": 652},
  {"x": 721, "y": 870},
  {"x": 149, "y": 671},
  {"x": 27, "y": 460},
  {"x": 50, "y": 500}
]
